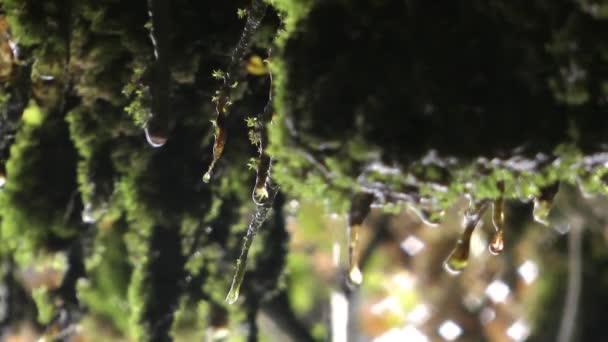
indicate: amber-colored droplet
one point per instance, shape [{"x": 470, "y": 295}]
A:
[
  {"x": 459, "y": 257},
  {"x": 497, "y": 244},
  {"x": 498, "y": 219}
]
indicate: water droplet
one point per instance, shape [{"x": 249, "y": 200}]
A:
[
  {"x": 459, "y": 257},
  {"x": 359, "y": 209},
  {"x": 155, "y": 138},
  {"x": 218, "y": 143},
  {"x": 232, "y": 296},
  {"x": 497, "y": 244},
  {"x": 87, "y": 214},
  {"x": 355, "y": 276},
  {"x": 544, "y": 202},
  {"x": 498, "y": 219}
]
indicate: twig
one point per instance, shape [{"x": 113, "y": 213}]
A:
[{"x": 222, "y": 96}]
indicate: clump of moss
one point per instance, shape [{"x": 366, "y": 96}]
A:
[
  {"x": 454, "y": 112},
  {"x": 41, "y": 177}
]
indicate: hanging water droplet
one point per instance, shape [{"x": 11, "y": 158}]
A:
[
  {"x": 207, "y": 177},
  {"x": 544, "y": 202},
  {"x": 237, "y": 280},
  {"x": 498, "y": 219},
  {"x": 459, "y": 257},
  {"x": 355, "y": 276},
  {"x": 497, "y": 244},
  {"x": 87, "y": 214},
  {"x": 233, "y": 295},
  {"x": 155, "y": 136},
  {"x": 254, "y": 225},
  {"x": 359, "y": 209}
]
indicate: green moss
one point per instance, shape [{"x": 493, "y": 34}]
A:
[
  {"x": 41, "y": 176},
  {"x": 46, "y": 309},
  {"x": 105, "y": 290},
  {"x": 432, "y": 116}
]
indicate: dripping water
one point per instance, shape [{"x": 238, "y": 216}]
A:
[
  {"x": 459, "y": 257},
  {"x": 360, "y": 208},
  {"x": 254, "y": 226},
  {"x": 498, "y": 219}
]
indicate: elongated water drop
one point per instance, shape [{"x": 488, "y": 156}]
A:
[
  {"x": 256, "y": 222},
  {"x": 544, "y": 202},
  {"x": 359, "y": 209},
  {"x": 498, "y": 243},
  {"x": 157, "y": 127},
  {"x": 235, "y": 287},
  {"x": 498, "y": 219},
  {"x": 218, "y": 144},
  {"x": 459, "y": 257}
]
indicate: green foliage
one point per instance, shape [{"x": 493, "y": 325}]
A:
[
  {"x": 165, "y": 242},
  {"x": 105, "y": 290},
  {"x": 45, "y": 307},
  {"x": 41, "y": 178}
]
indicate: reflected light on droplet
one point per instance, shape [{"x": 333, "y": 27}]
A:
[
  {"x": 498, "y": 291},
  {"x": 355, "y": 276},
  {"x": 419, "y": 314},
  {"x": 528, "y": 271},
  {"x": 412, "y": 245},
  {"x": 518, "y": 331},
  {"x": 450, "y": 330}
]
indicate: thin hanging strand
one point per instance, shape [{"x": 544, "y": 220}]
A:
[{"x": 255, "y": 14}]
